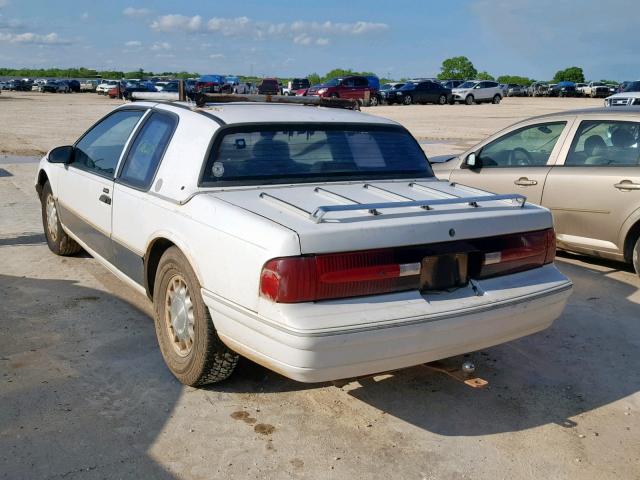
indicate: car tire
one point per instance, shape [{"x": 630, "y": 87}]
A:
[
  {"x": 187, "y": 337},
  {"x": 635, "y": 256},
  {"x": 442, "y": 100},
  {"x": 496, "y": 99},
  {"x": 407, "y": 100},
  {"x": 57, "y": 239},
  {"x": 373, "y": 101},
  {"x": 469, "y": 100}
]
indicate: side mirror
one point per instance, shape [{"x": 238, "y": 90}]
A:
[
  {"x": 472, "y": 161},
  {"x": 61, "y": 155}
]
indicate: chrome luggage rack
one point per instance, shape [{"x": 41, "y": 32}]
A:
[{"x": 318, "y": 215}]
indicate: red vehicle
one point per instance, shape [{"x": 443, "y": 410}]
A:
[
  {"x": 113, "y": 92},
  {"x": 269, "y": 86},
  {"x": 354, "y": 87}
]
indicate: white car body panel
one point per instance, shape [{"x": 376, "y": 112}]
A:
[
  {"x": 228, "y": 234},
  {"x": 623, "y": 99}
]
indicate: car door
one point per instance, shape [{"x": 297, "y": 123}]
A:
[
  {"x": 517, "y": 161},
  {"x": 347, "y": 88},
  {"x": 86, "y": 185},
  {"x": 132, "y": 211},
  {"x": 595, "y": 186}
]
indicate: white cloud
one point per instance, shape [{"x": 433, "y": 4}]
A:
[
  {"x": 135, "y": 12},
  {"x": 215, "y": 56},
  {"x": 161, "y": 46},
  {"x": 165, "y": 55},
  {"x": 33, "y": 38},
  {"x": 84, "y": 16},
  {"x": 10, "y": 24},
  {"x": 172, "y": 23},
  {"x": 300, "y": 32},
  {"x": 4, "y": 3},
  {"x": 133, "y": 44}
]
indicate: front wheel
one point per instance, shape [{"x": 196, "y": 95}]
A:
[
  {"x": 496, "y": 99},
  {"x": 187, "y": 337},
  {"x": 57, "y": 239},
  {"x": 407, "y": 100},
  {"x": 469, "y": 100},
  {"x": 442, "y": 100},
  {"x": 374, "y": 101}
]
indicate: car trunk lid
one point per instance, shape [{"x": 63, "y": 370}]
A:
[{"x": 446, "y": 212}]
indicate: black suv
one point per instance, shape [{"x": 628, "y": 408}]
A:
[{"x": 423, "y": 92}]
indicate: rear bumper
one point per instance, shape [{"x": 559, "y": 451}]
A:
[{"x": 511, "y": 307}]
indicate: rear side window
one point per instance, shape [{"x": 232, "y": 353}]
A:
[
  {"x": 147, "y": 150},
  {"x": 304, "y": 153},
  {"x": 605, "y": 143},
  {"x": 99, "y": 150}
]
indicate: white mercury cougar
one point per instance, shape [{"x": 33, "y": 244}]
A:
[{"x": 314, "y": 241}]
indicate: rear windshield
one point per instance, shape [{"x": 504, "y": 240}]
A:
[{"x": 257, "y": 155}]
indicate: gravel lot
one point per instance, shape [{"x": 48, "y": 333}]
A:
[{"x": 84, "y": 392}]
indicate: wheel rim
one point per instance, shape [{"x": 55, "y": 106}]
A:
[
  {"x": 407, "y": 100},
  {"x": 52, "y": 218},
  {"x": 179, "y": 316},
  {"x": 443, "y": 99}
]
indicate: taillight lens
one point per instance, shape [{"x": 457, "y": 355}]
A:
[
  {"x": 371, "y": 272},
  {"x": 520, "y": 252},
  {"x": 342, "y": 275}
]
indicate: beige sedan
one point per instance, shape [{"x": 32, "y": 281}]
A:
[{"x": 584, "y": 165}]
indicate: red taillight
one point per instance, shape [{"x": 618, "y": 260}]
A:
[
  {"x": 373, "y": 272},
  {"x": 520, "y": 252},
  {"x": 321, "y": 277}
]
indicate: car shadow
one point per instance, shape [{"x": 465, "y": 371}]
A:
[{"x": 84, "y": 389}]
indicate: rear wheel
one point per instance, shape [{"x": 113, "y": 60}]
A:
[
  {"x": 442, "y": 100},
  {"x": 373, "y": 101},
  {"x": 496, "y": 99},
  {"x": 636, "y": 256},
  {"x": 187, "y": 337},
  {"x": 469, "y": 100},
  {"x": 57, "y": 239},
  {"x": 407, "y": 100}
]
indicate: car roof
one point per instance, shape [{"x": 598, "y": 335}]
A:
[
  {"x": 624, "y": 111},
  {"x": 253, "y": 112}
]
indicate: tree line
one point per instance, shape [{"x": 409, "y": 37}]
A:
[{"x": 455, "y": 68}]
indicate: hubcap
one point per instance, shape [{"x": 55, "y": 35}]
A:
[
  {"x": 179, "y": 316},
  {"x": 52, "y": 218}
]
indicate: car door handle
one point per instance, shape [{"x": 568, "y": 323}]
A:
[
  {"x": 525, "y": 182},
  {"x": 627, "y": 185},
  {"x": 105, "y": 199}
]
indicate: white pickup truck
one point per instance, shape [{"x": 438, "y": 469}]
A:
[
  {"x": 315, "y": 241},
  {"x": 595, "y": 89}
]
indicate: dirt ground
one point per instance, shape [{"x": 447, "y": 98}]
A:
[
  {"x": 84, "y": 393},
  {"x": 32, "y": 123}
]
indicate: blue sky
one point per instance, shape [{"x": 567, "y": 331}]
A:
[{"x": 534, "y": 38}]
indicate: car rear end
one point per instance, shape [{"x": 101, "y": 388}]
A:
[
  {"x": 209, "y": 84},
  {"x": 394, "y": 267},
  {"x": 269, "y": 86}
]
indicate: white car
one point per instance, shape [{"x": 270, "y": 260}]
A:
[
  {"x": 478, "y": 91},
  {"x": 104, "y": 87},
  {"x": 624, "y": 99},
  {"x": 314, "y": 241}
]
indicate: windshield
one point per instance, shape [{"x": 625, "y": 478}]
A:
[
  {"x": 632, "y": 87},
  {"x": 274, "y": 154},
  {"x": 468, "y": 85},
  {"x": 407, "y": 86},
  {"x": 598, "y": 84},
  {"x": 331, "y": 83}
]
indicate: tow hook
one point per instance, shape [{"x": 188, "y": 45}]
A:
[{"x": 463, "y": 374}]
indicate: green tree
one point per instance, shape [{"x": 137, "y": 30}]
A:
[
  {"x": 571, "y": 74},
  {"x": 457, "y": 68},
  {"x": 484, "y": 76},
  {"x": 517, "y": 79}
]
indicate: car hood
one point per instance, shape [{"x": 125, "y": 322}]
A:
[{"x": 293, "y": 206}]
